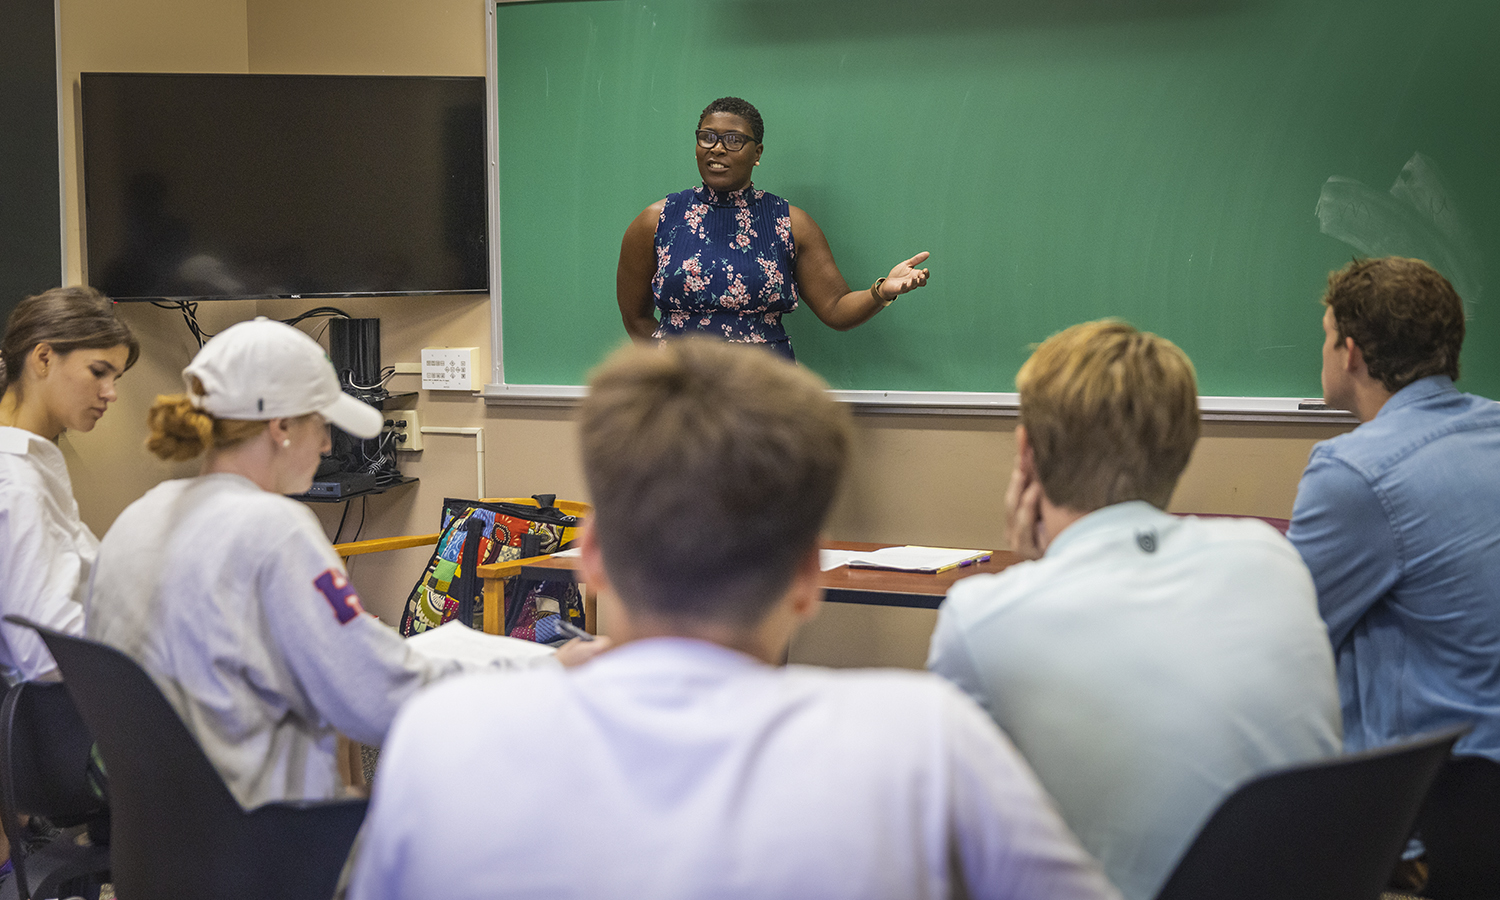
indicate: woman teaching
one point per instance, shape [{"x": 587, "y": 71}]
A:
[
  {"x": 59, "y": 358},
  {"x": 727, "y": 259}
]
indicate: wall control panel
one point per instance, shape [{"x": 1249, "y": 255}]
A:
[{"x": 448, "y": 369}]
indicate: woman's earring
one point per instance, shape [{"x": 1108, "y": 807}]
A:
[{"x": 286, "y": 442}]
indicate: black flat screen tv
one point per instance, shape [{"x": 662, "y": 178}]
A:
[{"x": 253, "y": 186}]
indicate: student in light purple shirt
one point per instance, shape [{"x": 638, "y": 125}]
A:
[
  {"x": 684, "y": 763},
  {"x": 1399, "y": 520}
]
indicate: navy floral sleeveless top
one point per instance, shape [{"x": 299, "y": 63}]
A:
[{"x": 724, "y": 266}]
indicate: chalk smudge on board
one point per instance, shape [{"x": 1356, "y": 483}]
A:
[{"x": 1417, "y": 217}]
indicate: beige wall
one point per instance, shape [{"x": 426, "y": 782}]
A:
[
  {"x": 920, "y": 479},
  {"x": 384, "y": 37}
]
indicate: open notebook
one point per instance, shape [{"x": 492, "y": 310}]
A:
[{"x": 909, "y": 558}]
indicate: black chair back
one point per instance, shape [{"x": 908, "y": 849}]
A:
[
  {"x": 1460, "y": 825},
  {"x": 1329, "y": 830},
  {"x": 177, "y": 831},
  {"x": 44, "y": 760}
]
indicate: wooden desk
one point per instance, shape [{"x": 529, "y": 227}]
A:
[
  {"x": 877, "y": 587},
  {"x": 882, "y": 587}
]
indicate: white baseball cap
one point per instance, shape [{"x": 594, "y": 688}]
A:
[{"x": 264, "y": 369}]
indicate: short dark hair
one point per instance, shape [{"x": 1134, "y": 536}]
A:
[
  {"x": 734, "y": 106},
  {"x": 1405, "y": 318},
  {"x": 711, "y": 467},
  {"x": 67, "y": 318},
  {"x": 1111, "y": 414}
]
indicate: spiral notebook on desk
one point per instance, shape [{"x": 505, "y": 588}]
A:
[{"x": 908, "y": 558}]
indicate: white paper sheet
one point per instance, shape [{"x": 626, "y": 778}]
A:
[
  {"x": 912, "y": 558},
  {"x": 832, "y": 559},
  {"x": 453, "y": 641}
]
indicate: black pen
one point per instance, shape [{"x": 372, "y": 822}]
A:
[{"x": 572, "y": 630}]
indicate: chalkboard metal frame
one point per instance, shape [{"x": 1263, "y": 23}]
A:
[{"x": 1270, "y": 410}]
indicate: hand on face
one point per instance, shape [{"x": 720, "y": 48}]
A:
[{"x": 1023, "y": 511}]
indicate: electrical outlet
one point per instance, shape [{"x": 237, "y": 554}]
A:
[{"x": 407, "y": 428}]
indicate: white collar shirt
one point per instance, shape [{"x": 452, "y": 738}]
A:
[{"x": 46, "y": 552}]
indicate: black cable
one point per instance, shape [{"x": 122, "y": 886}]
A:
[
  {"x": 339, "y": 532},
  {"x": 331, "y": 312},
  {"x": 189, "y": 310},
  {"x": 383, "y": 463},
  {"x": 364, "y": 506},
  {"x": 385, "y": 375}
]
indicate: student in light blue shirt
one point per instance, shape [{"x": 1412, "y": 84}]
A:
[
  {"x": 1144, "y": 664},
  {"x": 1399, "y": 520}
]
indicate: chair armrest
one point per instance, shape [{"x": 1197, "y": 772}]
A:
[
  {"x": 379, "y": 545},
  {"x": 510, "y": 567}
]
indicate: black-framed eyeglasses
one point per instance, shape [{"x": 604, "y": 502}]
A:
[{"x": 732, "y": 140}]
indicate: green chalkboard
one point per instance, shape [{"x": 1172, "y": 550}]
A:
[{"x": 1193, "y": 166}]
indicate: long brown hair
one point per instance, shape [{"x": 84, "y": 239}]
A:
[{"x": 67, "y": 318}]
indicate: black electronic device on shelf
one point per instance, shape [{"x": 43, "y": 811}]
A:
[
  {"x": 356, "y": 466},
  {"x": 342, "y": 485},
  {"x": 214, "y": 186}
]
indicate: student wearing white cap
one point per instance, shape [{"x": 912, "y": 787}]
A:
[{"x": 229, "y": 593}]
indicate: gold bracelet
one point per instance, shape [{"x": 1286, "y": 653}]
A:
[{"x": 875, "y": 292}]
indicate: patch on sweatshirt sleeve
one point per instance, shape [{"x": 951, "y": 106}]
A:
[{"x": 340, "y": 594}]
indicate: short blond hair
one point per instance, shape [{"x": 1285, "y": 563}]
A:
[
  {"x": 1111, "y": 414},
  {"x": 712, "y": 467}
]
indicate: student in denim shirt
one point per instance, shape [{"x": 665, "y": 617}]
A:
[{"x": 1399, "y": 520}]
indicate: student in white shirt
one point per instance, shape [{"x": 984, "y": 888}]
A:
[
  {"x": 1146, "y": 664},
  {"x": 684, "y": 762},
  {"x": 62, "y": 351},
  {"x": 59, "y": 358},
  {"x": 229, "y": 594}
]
